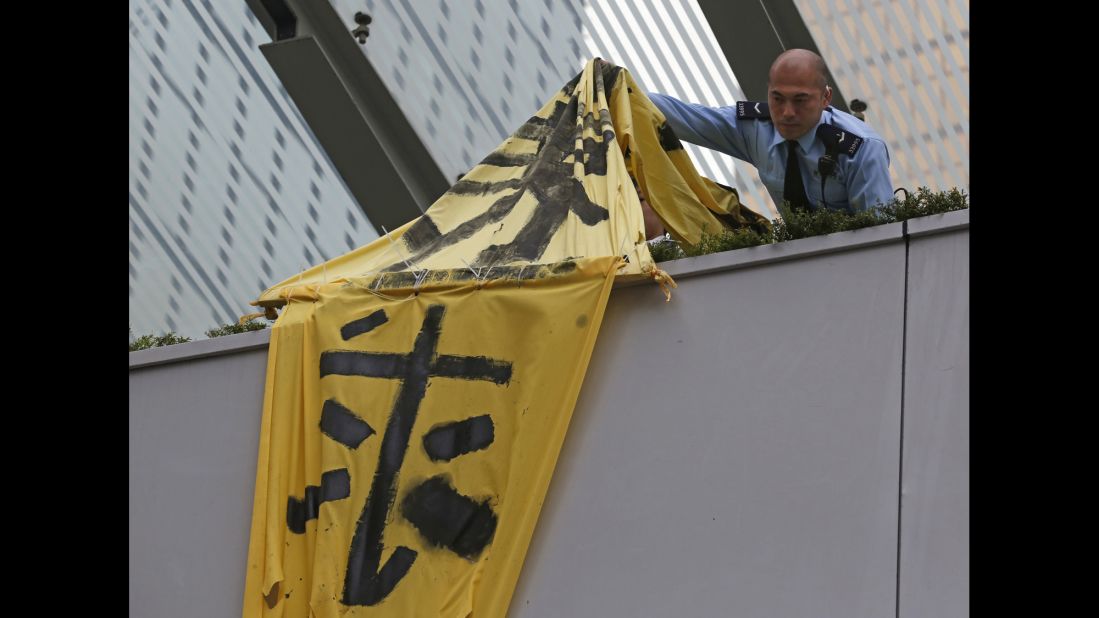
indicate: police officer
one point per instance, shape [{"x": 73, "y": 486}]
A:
[{"x": 806, "y": 151}]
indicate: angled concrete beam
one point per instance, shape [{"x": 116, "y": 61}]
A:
[
  {"x": 388, "y": 170},
  {"x": 752, "y": 34}
]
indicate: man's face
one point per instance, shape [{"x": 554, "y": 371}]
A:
[{"x": 796, "y": 100}]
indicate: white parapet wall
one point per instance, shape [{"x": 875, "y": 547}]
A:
[{"x": 787, "y": 437}]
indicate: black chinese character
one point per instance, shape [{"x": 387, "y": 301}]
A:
[
  {"x": 549, "y": 178},
  {"x": 442, "y": 515}
]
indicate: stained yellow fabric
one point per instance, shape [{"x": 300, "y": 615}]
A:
[
  {"x": 419, "y": 388},
  {"x": 496, "y": 204},
  {"x": 557, "y": 188},
  {"x": 687, "y": 203},
  {"x": 544, "y": 328}
]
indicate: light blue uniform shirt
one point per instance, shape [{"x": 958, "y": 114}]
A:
[{"x": 858, "y": 183}]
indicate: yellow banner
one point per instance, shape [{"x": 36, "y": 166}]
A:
[
  {"x": 408, "y": 440},
  {"x": 559, "y": 187},
  {"x": 419, "y": 388}
]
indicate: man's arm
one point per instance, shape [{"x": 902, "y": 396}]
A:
[
  {"x": 711, "y": 127},
  {"x": 869, "y": 184}
]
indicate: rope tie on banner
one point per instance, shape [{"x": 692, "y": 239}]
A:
[
  {"x": 391, "y": 298},
  {"x": 419, "y": 281},
  {"x": 622, "y": 248},
  {"x": 382, "y": 296},
  {"x": 488, "y": 272},
  {"x": 477, "y": 274}
]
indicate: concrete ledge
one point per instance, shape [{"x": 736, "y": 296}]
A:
[
  {"x": 938, "y": 224},
  {"x": 229, "y": 344},
  {"x": 780, "y": 252},
  {"x": 678, "y": 269}
]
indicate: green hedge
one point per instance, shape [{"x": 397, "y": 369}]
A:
[
  {"x": 156, "y": 341},
  {"x": 798, "y": 224}
]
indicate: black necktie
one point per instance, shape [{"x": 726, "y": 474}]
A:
[{"x": 793, "y": 190}]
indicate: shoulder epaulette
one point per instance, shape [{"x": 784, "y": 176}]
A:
[
  {"x": 754, "y": 110},
  {"x": 836, "y": 138}
]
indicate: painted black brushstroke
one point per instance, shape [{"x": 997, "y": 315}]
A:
[
  {"x": 422, "y": 233},
  {"x": 595, "y": 156},
  {"x": 406, "y": 279},
  {"x": 564, "y": 267},
  {"x": 509, "y": 159},
  {"x": 366, "y": 364},
  {"x": 590, "y": 213},
  {"x": 668, "y": 140},
  {"x": 363, "y": 325},
  {"x": 364, "y": 583},
  {"x": 371, "y": 587},
  {"x": 548, "y": 178},
  {"x": 296, "y": 510},
  {"x": 499, "y": 209},
  {"x": 451, "y": 440},
  {"x": 534, "y": 131},
  {"x": 610, "y": 76},
  {"x": 570, "y": 86},
  {"x": 472, "y": 187},
  {"x": 551, "y": 120},
  {"x": 343, "y": 425},
  {"x": 448, "y": 519},
  {"x": 606, "y": 125},
  {"x": 539, "y": 123},
  {"x": 473, "y": 368},
  {"x": 556, "y": 199},
  {"x": 335, "y": 485}
]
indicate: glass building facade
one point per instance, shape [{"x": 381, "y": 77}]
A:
[{"x": 231, "y": 192}]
